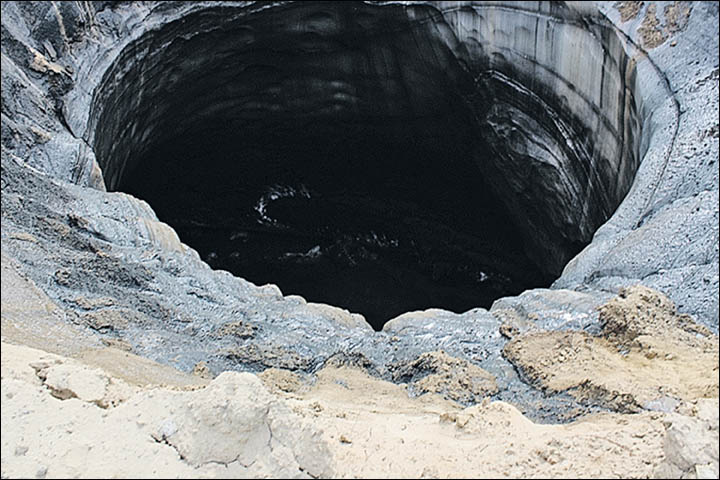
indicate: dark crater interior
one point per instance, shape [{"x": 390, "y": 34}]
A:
[
  {"x": 344, "y": 153},
  {"x": 379, "y": 217}
]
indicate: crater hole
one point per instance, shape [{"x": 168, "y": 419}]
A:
[{"x": 347, "y": 154}]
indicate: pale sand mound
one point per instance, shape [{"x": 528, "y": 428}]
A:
[
  {"x": 61, "y": 418},
  {"x": 647, "y": 356}
]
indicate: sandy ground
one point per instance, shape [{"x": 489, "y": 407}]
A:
[
  {"x": 61, "y": 418},
  {"x": 74, "y": 408}
]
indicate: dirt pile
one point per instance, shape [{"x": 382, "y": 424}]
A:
[{"x": 647, "y": 356}]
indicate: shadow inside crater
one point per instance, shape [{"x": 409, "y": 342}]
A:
[{"x": 361, "y": 155}]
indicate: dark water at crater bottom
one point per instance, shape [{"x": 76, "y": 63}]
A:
[{"x": 373, "y": 225}]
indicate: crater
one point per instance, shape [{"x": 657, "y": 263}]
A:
[{"x": 380, "y": 158}]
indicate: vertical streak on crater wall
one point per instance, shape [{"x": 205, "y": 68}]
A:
[{"x": 556, "y": 105}]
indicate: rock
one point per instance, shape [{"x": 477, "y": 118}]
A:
[
  {"x": 118, "y": 343},
  {"x": 65, "y": 382},
  {"x": 109, "y": 319},
  {"x": 238, "y": 329},
  {"x": 160, "y": 234},
  {"x": 354, "y": 360},
  {"x": 201, "y": 370},
  {"x": 650, "y": 34},
  {"x": 222, "y": 425},
  {"x": 342, "y": 316},
  {"x": 41, "y": 64},
  {"x": 234, "y": 419},
  {"x": 93, "y": 303},
  {"x": 691, "y": 444},
  {"x": 26, "y": 237},
  {"x": 277, "y": 379},
  {"x": 275, "y": 357},
  {"x": 628, "y": 10},
  {"x": 544, "y": 309},
  {"x": 640, "y": 311},
  {"x": 453, "y": 378},
  {"x": 68, "y": 379}
]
